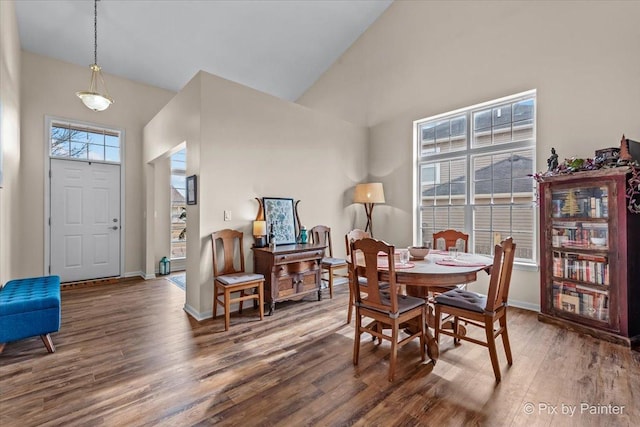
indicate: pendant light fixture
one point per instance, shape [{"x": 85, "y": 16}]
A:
[{"x": 92, "y": 98}]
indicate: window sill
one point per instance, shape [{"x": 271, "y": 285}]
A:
[{"x": 525, "y": 266}]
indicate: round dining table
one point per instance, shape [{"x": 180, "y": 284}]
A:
[{"x": 437, "y": 272}]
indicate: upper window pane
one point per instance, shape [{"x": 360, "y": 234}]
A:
[
  {"x": 444, "y": 135},
  {"x": 504, "y": 123},
  {"x": 68, "y": 140}
]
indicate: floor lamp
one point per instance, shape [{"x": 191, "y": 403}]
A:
[{"x": 369, "y": 194}]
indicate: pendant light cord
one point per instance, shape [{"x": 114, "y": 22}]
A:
[{"x": 95, "y": 32}]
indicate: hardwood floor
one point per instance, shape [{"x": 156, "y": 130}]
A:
[{"x": 128, "y": 355}]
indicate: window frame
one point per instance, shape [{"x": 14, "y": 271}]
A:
[
  {"x": 470, "y": 153},
  {"x": 89, "y": 128}
]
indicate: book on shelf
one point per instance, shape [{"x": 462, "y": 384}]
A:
[
  {"x": 581, "y": 267},
  {"x": 579, "y": 234},
  {"x": 581, "y": 300}
]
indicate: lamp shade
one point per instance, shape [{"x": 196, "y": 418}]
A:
[
  {"x": 94, "y": 101},
  {"x": 369, "y": 193},
  {"x": 259, "y": 228}
]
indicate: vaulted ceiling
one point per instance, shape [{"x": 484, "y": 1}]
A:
[{"x": 277, "y": 47}]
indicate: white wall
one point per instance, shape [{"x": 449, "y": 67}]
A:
[
  {"x": 175, "y": 126},
  {"x": 254, "y": 145},
  {"x": 424, "y": 58},
  {"x": 9, "y": 140},
  {"x": 48, "y": 88}
]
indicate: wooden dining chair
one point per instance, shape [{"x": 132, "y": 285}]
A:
[
  {"x": 321, "y": 234},
  {"x": 228, "y": 280},
  {"x": 443, "y": 240},
  {"x": 480, "y": 310},
  {"x": 387, "y": 309},
  {"x": 352, "y": 236}
]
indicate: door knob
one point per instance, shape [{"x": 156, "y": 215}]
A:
[{"x": 115, "y": 227}]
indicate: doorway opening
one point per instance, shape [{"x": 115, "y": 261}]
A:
[{"x": 178, "y": 210}]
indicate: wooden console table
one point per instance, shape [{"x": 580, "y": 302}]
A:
[{"x": 290, "y": 271}]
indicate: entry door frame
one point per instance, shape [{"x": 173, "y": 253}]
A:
[{"x": 47, "y": 188}]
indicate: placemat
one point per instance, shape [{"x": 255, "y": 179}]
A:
[
  {"x": 383, "y": 264},
  {"x": 459, "y": 263}
]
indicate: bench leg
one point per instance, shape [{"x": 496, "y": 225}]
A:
[
  {"x": 2, "y": 347},
  {"x": 48, "y": 342}
]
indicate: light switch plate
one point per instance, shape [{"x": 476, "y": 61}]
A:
[{"x": 227, "y": 215}]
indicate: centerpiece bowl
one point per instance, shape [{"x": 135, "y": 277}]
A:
[{"x": 418, "y": 251}]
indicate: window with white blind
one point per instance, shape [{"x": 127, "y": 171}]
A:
[{"x": 473, "y": 174}]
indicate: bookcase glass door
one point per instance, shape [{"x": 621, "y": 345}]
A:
[{"x": 580, "y": 251}]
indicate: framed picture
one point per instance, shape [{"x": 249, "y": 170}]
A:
[
  {"x": 192, "y": 190},
  {"x": 279, "y": 212}
]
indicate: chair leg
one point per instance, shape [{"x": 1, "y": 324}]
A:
[
  {"x": 48, "y": 342},
  {"x": 330, "y": 284},
  {"x": 240, "y": 302},
  {"x": 227, "y": 307},
  {"x": 356, "y": 341},
  {"x": 350, "y": 309},
  {"x": 456, "y": 330},
  {"x": 423, "y": 339},
  {"x": 215, "y": 300},
  {"x": 261, "y": 300},
  {"x": 437, "y": 323},
  {"x": 491, "y": 344},
  {"x": 505, "y": 339},
  {"x": 394, "y": 350},
  {"x": 2, "y": 344}
]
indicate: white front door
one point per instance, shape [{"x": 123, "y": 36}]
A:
[{"x": 85, "y": 220}]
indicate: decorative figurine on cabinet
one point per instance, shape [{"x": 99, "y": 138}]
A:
[
  {"x": 303, "y": 235},
  {"x": 552, "y": 162}
]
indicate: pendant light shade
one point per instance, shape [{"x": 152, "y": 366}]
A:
[{"x": 93, "y": 98}]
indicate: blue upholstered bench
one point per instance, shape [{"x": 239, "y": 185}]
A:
[{"x": 30, "y": 307}]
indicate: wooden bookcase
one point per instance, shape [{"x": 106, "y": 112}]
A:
[{"x": 590, "y": 255}]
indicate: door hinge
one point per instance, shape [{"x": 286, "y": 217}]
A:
[
  {"x": 49, "y": 221},
  {"x": 49, "y": 173},
  {"x": 49, "y": 269}
]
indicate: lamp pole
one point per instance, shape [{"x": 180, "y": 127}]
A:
[{"x": 368, "y": 208}]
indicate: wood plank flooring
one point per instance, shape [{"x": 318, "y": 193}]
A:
[{"x": 128, "y": 355}]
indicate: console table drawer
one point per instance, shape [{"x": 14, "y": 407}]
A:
[
  {"x": 298, "y": 256},
  {"x": 296, "y": 268}
]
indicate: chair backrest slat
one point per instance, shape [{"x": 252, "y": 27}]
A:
[
  {"x": 321, "y": 234},
  {"x": 501, "y": 275},
  {"x": 229, "y": 240},
  {"x": 451, "y": 238},
  {"x": 365, "y": 255}
]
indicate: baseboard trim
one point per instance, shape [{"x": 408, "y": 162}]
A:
[
  {"x": 525, "y": 305},
  {"x": 196, "y": 314},
  {"x": 133, "y": 274}
]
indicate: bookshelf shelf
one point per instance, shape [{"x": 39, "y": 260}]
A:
[{"x": 590, "y": 263}]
